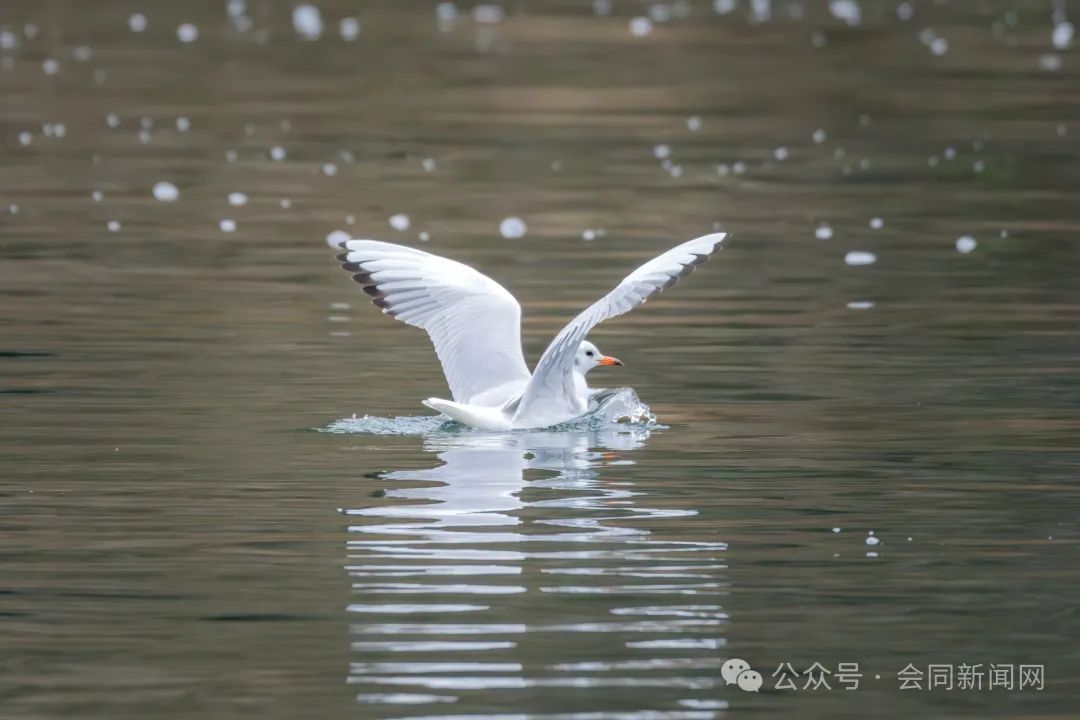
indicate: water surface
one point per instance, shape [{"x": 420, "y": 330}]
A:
[{"x": 178, "y": 538}]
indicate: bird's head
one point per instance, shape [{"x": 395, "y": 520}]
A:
[{"x": 589, "y": 356}]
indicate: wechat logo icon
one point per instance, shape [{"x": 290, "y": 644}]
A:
[{"x": 738, "y": 672}]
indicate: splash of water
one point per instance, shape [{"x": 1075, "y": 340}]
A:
[{"x": 607, "y": 407}]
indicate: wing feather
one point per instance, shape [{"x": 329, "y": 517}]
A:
[
  {"x": 474, "y": 323},
  {"x": 550, "y": 397}
]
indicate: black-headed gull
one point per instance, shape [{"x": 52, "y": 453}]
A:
[{"x": 475, "y": 325}]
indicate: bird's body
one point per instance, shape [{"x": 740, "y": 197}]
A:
[{"x": 475, "y": 325}]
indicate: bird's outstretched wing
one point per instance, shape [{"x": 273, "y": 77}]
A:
[
  {"x": 550, "y": 397},
  {"x": 473, "y": 321}
]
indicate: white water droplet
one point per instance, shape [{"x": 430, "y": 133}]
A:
[
  {"x": 349, "y": 28},
  {"x": 336, "y": 238},
  {"x": 489, "y": 14},
  {"x": 277, "y": 153},
  {"x": 112, "y": 120},
  {"x": 640, "y": 26},
  {"x": 819, "y": 136},
  {"x": 329, "y": 169},
  {"x": 50, "y": 66},
  {"x": 187, "y": 33},
  {"x": 286, "y": 203},
  {"x": 966, "y": 244},
  {"x": 97, "y": 196},
  {"x": 693, "y": 123},
  {"x": 1062, "y": 36},
  {"x": 446, "y": 14},
  {"x": 1050, "y": 62},
  {"x": 905, "y": 11},
  {"x": 183, "y": 124},
  {"x": 836, "y": 529},
  {"x": 860, "y": 257},
  {"x": 661, "y": 151},
  {"x": 137, "y": 22},
  {"x": 428, "y": 164},
  {"x": 860, "y": 305},
  {"x": 165, "y": 191},
  {"x": 237, "y": 199},
  {"x": 307, "y": 21},
  {"x": 823, "y": 232},
  {"x": 847, "y": 11},
  {"x": 780, "y": 153},
  {"x": 400, "y": 222},
  {"x": 877, "y": 223},
  {"x": 659, "y": 12},
  {"x": 227, "y": 225},
  {"x": 25, "y": 138},
  {"x": 113, "y": 225},
  {"x": 872, "y": 540},
  {"x": 513, "y": 228},
  {"x": 424, "y": 236}
]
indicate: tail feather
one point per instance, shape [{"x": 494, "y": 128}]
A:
[{"x": 485, "y": 418}]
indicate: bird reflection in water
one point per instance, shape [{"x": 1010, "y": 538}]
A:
[{"x": 532, "y": 524}]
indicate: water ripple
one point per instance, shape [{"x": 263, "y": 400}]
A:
[{"x": 517, "y": 520}]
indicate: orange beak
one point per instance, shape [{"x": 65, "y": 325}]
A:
[{"x": 608, "y": 360}]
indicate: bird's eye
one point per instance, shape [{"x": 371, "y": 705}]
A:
[{"x": 589, "y": 353}]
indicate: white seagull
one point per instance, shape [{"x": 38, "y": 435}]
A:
[{"x": 475, "y": 325}]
